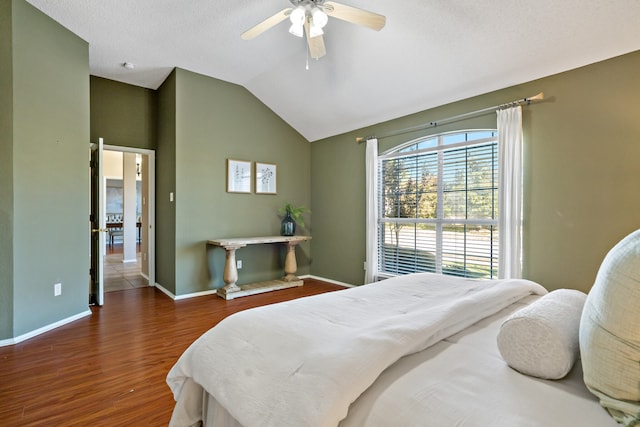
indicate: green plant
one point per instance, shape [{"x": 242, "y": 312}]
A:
[{"x": 295, "y": 212}]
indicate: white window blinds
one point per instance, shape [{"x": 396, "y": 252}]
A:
[{"x": 438, "y": 206}]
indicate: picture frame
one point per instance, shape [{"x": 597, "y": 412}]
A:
[
  {"x": 238, "y": 176},
  {"x": 266, "y": 178}
]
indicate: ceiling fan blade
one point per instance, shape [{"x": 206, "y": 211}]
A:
[
  {"x": 266, "y": 24},
  {"x": 316, "y": 44},
  {"x": 355, "y": 15}
]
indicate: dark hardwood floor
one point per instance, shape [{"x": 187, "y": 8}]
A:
[{"x": 109, "y": 369}]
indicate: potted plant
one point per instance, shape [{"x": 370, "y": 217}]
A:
[{"x": 292, "y": 216}]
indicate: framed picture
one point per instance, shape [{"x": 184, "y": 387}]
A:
[
  {"x": 238, "y": 176},
  {"x": 265, "y": 178}
]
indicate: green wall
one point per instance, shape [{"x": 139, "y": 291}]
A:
[
  {"x": 50, "y": 154},
  {"x": 584, "y": 180},
  {"x": 165, "y": 184},
  {"x": 213, "y": 121},
  {"x": 6, "y": 171},
  {"x": 122, "y": 114},
  {"x": 582, "y": 146}
]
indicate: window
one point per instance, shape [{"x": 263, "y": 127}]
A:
[{"x": 438, "y": 201}]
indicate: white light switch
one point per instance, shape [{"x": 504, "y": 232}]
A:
[{"x": 171, "y": 196}]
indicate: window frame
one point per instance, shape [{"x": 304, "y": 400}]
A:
[{"x": 440, "y": 222}]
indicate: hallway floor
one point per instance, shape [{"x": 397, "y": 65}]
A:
[{"x": 119, "y": 276}]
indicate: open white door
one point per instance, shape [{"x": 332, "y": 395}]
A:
[{"x": 98, "y": 226}]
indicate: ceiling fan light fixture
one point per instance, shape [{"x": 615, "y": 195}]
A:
[
  {"x": 315, "y": 31},
  {"x": 308, "y": 17},
  {"x": 319, "y": 18},
  {"x": 296, "y": 30},
  {"x": 298, "y": 16}
]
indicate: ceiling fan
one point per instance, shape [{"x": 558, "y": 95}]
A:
[{"x": 308, "y": 17}]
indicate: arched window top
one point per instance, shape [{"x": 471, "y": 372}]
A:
[{"x": 440, "y": 141}]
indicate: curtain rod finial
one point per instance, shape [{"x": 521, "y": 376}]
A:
[
  {"x": 360, "y": 139},
  {"x": 538, "y": 97}
]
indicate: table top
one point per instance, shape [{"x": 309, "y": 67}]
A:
[{"x": 243, "y": 241}]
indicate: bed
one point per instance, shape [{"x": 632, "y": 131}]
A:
[{"x": 417, "y": 350}]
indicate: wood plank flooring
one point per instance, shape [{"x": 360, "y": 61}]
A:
[{"x": 109, "y": 369}]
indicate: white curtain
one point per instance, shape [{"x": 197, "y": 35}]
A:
[
  {"x": 510, "y": 192},
  {"x": 372, "y": 211}
]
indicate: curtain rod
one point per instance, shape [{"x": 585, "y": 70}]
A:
[{"x": 527, "y": 101}]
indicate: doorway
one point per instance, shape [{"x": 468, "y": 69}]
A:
[{"x": 128, "y": 207}]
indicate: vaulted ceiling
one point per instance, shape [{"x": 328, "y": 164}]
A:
[{"x": 430, "y": 52}]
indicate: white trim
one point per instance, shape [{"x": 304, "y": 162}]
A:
[
  {"x": 128, "y": 149},
  {"x": 185, "y": 296},
  {"x": 324, "y": 279},
  {"x": 24, "y": 337},
  {"x": 164, "y": 291},
  {"x": 151, "y": 201},
  {"x": 196, "y": 294},
  {"x": 125, "y": 261}
]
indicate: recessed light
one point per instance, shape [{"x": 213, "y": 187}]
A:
[{"x": 128, "y": 65}]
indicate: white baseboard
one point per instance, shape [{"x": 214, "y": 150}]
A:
[
  {"x": 185, "y": 296},
  {"x": 164, "y": 291},
  {"x": 324, "y": 279},
  {"x": 24, "y": 337},
  {"x": 126, "y": 261}
]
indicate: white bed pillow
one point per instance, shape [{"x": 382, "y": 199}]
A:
[
  {"x": 610, "y": 332},
  {"x": 541, "y": 339}
]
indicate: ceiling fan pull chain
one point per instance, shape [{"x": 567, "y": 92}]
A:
[{"x": 307, "y": 63}]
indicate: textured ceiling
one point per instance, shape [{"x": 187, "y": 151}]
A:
[{"x": 431, "y": 52}]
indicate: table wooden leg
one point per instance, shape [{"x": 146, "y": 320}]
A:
[
  {"x": 290, "y": 265},
  {"x": 230, "y": 275}
]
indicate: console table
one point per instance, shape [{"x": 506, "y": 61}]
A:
[{"x": 230, "y": 275}]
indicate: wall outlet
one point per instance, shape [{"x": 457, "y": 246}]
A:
[
  {"x": 239, "y": 264},
  {"x": 57, "y": 289}
]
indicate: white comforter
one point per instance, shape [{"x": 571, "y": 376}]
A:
[{"x": 303, "y": 362}]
